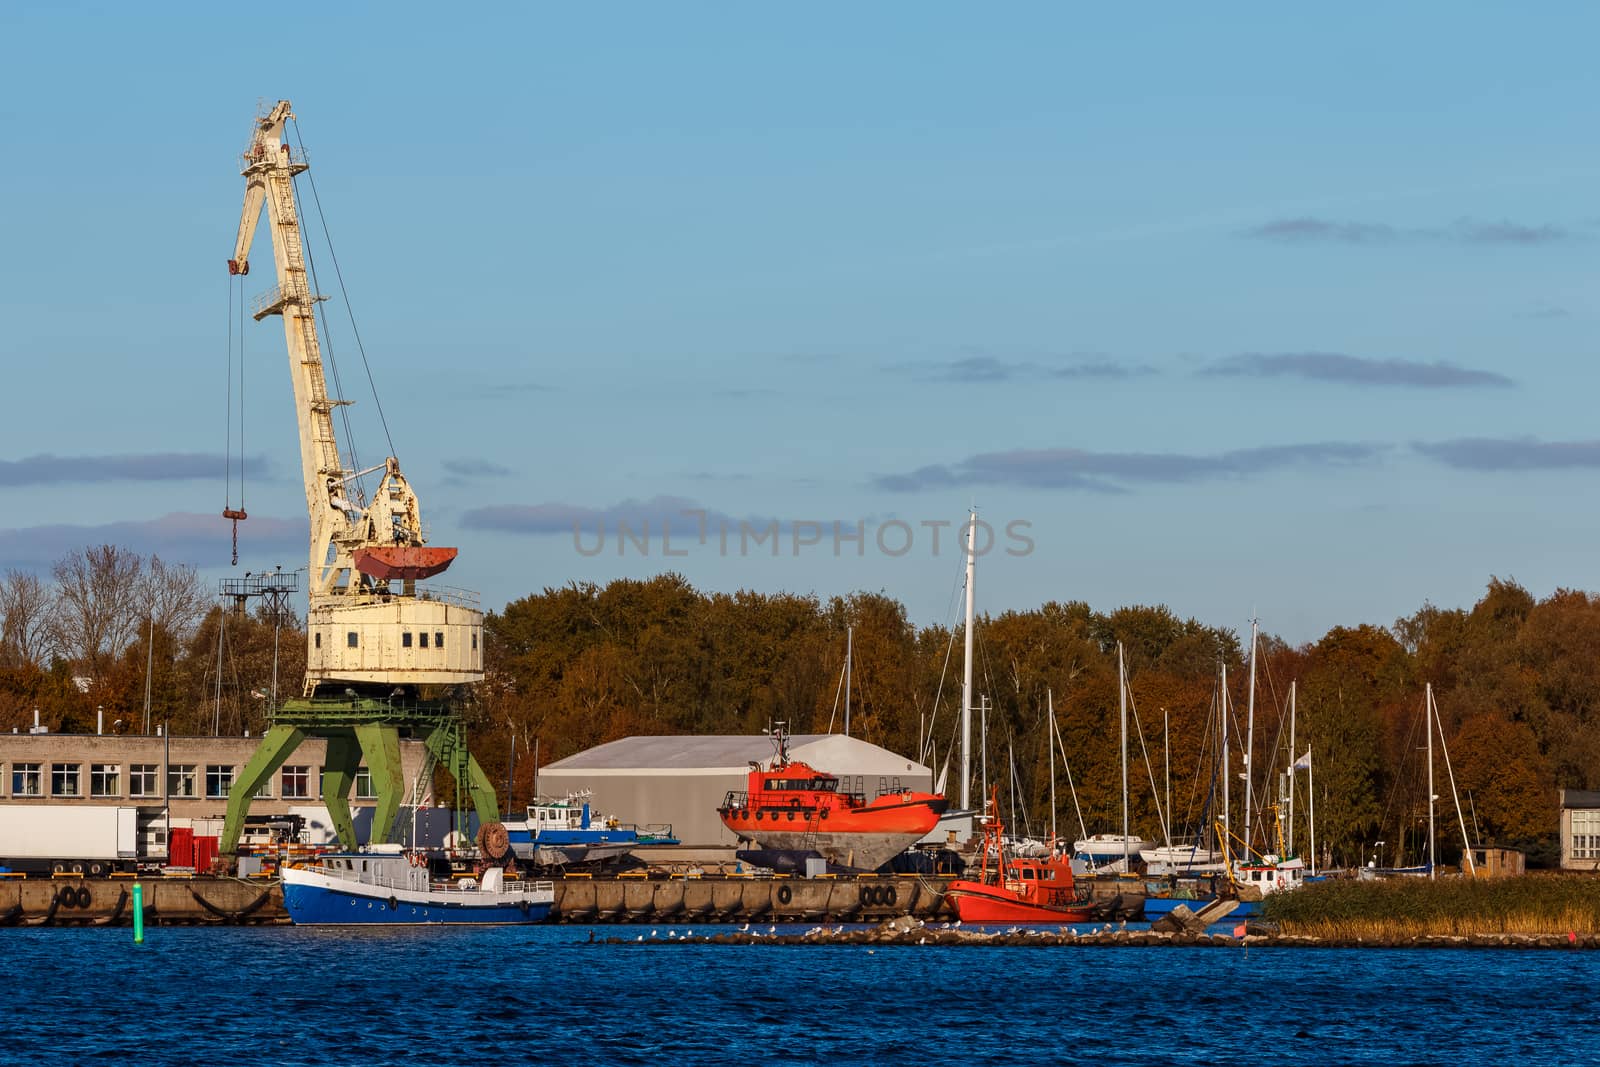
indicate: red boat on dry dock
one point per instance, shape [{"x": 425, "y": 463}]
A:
[
  {"x": 792, "y": 807},
  {"x": 1017, "y": 889}
]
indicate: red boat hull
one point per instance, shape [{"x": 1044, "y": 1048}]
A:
[
  {"x": 403, "y": 562},
  {"x": 979, "y": 903}
]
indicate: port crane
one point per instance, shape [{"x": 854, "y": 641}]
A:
[{"x": 377, "y": 640}]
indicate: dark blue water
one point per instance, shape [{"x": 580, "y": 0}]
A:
[{"x": 525, "y": 995}]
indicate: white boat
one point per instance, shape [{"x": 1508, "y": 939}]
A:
[
  {"x": 1180, "y": 858},
  {"x": 1106, "y": 852},
  {"x": 1270, "y": 874},
  {"x": 385, "y": 885}
]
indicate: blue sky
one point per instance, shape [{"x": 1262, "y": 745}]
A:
[{"x": 1253, "y": 310}]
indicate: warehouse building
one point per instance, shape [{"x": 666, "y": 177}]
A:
[
  {"x": 682, "y": 780},
  {"x": 174, "y": 781}
]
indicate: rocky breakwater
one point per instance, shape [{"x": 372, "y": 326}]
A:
[{"x": 1179, "y": 930}]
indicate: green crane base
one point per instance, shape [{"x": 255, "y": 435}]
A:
[{"x": 357, "y": 729}]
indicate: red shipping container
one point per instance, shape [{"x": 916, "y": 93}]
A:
[
  {"x": 180, "y": 847},
  {"x": 205, "y": 852}
]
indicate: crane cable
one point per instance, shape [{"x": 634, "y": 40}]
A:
[
  {"x": 339, "y": 274},
  {"x": 228, "y": 510}
]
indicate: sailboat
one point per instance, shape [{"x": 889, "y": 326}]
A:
[
  {"x": 1426, "y": 869},
  {"x": 1255, "y": 875},
  {"x": 1114, "y": 853}
]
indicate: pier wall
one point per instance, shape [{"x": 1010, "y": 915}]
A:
[{"x": 618, "y": 899}]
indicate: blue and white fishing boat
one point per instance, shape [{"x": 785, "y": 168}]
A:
[
  {"x": 565, "y": 831},
  {"x": 385, "y": 885}
]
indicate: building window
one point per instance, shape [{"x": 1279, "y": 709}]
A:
[
  {"x": 1585, "y": 834},
  {"x": 438, "y": 639},
  {"x": 316, "y": 639},
  {"x": 105, "y": 780},
  {"x": 142, "y": 779},
  {"x": 180, "y": 780},
  {"x": 405, "y": 639},
  {"x": 364, "y": 789},
  {"x": 264, "y": 790},
  {"x": 296, "y": 783},
  {"x": 350, "y": 639},
  {"x": 424, "y": 636},
  {"x": 219, "y": 779},
  {"x": 26, "y": 780},
  {"x": 64, "y": 779},
  {"x": 474, "y": 641}
]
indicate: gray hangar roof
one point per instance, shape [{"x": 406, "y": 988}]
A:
[{"x": 732, "y": 754}]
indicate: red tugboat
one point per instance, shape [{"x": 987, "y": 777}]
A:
[
  {"x": 1028, "y": 890},
  {"x": 791, "y": 806}
]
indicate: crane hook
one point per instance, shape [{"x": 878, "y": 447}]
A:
[{"x": 235, "y": 514}]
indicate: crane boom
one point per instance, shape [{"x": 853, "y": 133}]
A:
[{"x": 367, "y": 620}]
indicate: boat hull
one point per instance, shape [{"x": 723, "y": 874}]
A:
[
  {"x": 979, "y": 903},
  {"x": 858, "y": 851},
  {"x": 314, "y": 899}
]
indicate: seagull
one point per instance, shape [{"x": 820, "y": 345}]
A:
[
  {"x": 639, "y": 938},
  {"x": 653, "y": 933},
  {"x": 743, "y": 928},
  {"x": 672, "y": 933},
  {"x": 772, "y": 929},
  {"x": 924, "y": 941}
]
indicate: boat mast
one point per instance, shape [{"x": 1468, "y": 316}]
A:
[
  {"x": 1250, "y": 744},
  {"x": 1227, "y": 807},
  {"x": 1427, "y": 718},
  {"x": 1122, "y": 703},
  {"x": 1050, "y": 743},
  {"x": 849, "y": 648},
  {"x": 966, "y": 681},
  {"x": 1166, "y": 754},
  {"x": 1311, "y": 792},
  {"x": 1466, "y": 842},
  {"x": 1291, "y": 768}
]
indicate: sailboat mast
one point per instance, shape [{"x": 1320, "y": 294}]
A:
[
  {"x": 1227, "y": 809},
  {"x": 966, "y": 679},
  {"x": 1291, "y": 769},
  {"x": 1050, "y": 743},
  {"x": 849, "y": 649},
  {"x": 1166, "y": 755},
  {"x": 1122, "y": 704},
  {"x": 1427, "y": 712},
  {"x": 1250, "y": 743},
  {"x": 1311, "y": 793}
]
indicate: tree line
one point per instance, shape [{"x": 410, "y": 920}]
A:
[{"x": 1517, "y": 681}]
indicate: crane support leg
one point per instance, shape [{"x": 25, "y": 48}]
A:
[
  {"x": 338, "y": 778},
  {"x": 447, "y": 743},
  {"x": 277, "y": 745},
  {"x": 484, "y": 801},
  {"x": 380, "y": 744}
]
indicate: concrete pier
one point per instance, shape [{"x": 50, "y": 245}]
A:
[{"x": 621, "y": 898}]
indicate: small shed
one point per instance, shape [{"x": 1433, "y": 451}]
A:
[
  {"x": 682, "y": 780},
  {"x": 1580, "y": 830},
  {"x": 1490, "y": 862}
]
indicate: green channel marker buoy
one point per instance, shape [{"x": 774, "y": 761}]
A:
[{"x": 138, "y": 914}]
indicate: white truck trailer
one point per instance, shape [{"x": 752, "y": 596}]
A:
[{"x": 60, "y": 838}]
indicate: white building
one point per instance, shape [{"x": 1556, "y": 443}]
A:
[{"x": 682, "y": 780}]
